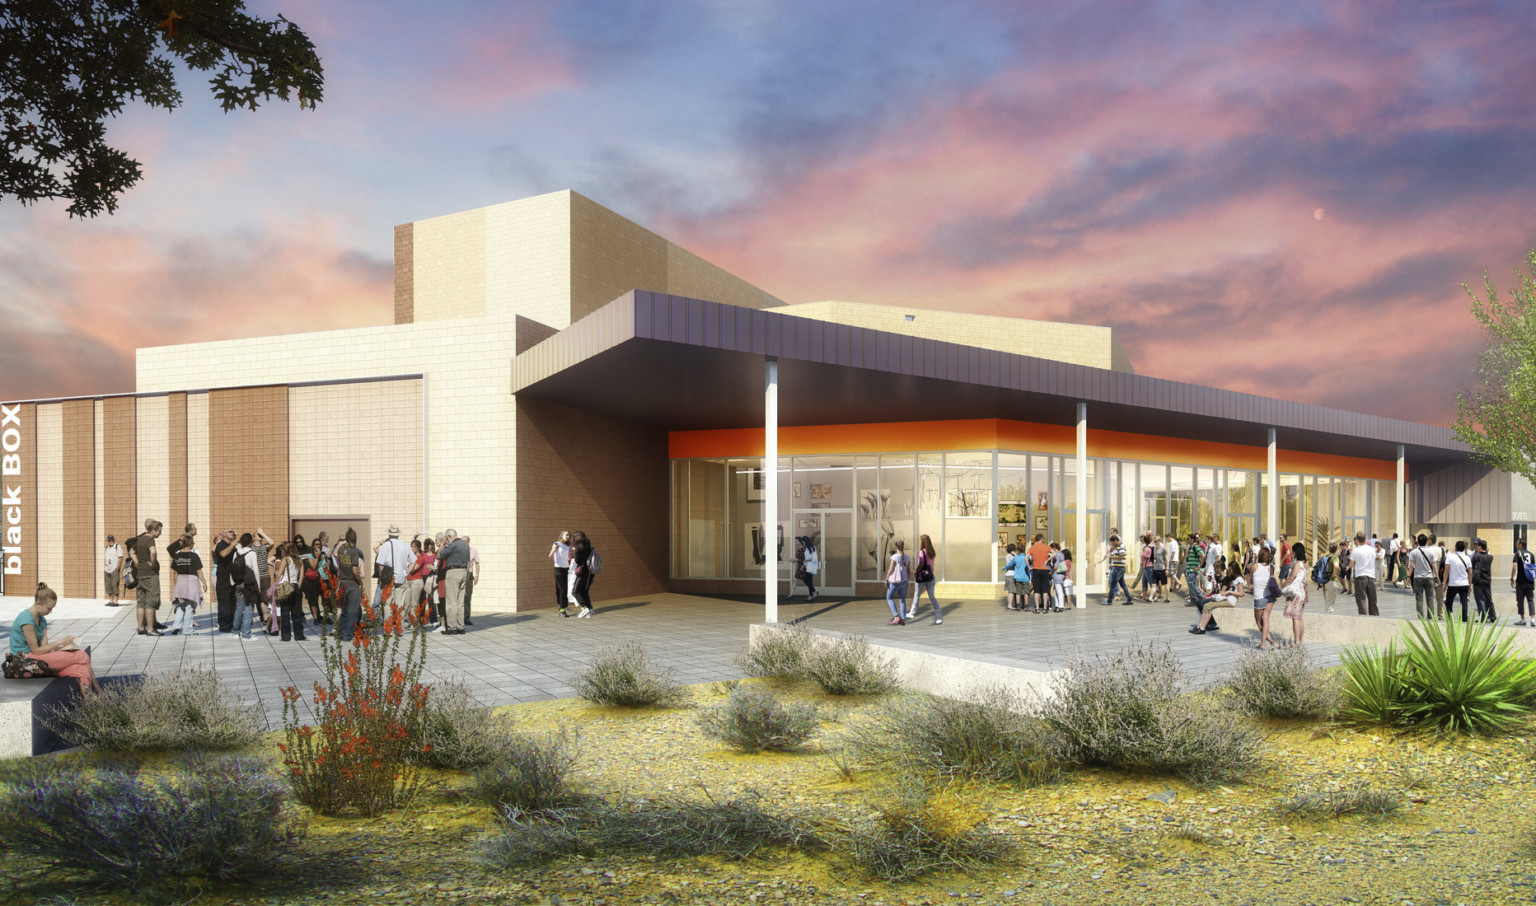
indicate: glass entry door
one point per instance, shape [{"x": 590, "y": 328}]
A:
[{"x": 831, "y": 531}]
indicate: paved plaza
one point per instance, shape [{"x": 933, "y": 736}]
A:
[{"x": 520, "y": 657}]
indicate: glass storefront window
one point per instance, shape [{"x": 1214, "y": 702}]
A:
[
  {"x": 890, "y": 508},
  {"x": 746, "y": 536},
  {"x": 929, "y": 495},
  {"x": 870, "y": 513},
  {"x": 706, "y": 517},
  {"x": 1013, "y": 506},
  {"x": 1181, "y": 502},
  {"x": 679, "y": 547},
  {"x": 1154, "y": 499},
  {"x": 1289, "y": 507},
  {"x": 823, "y": 482},
  {"x": 968, "y": 484}
]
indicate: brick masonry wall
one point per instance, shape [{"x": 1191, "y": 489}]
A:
[
  {"x": 605, "y": 477},
  {"x": 99, "y": 476},
  {"x": 176, "y": 517},
  {"x": 197, "y": 471},
  {"x": 49, "y": 499},
  {"x": 79, "y": 529},
  {"x": 154, "y": 464},
  {"x": 120, "y": 468},
  {"x": 248, "y": 459},
  {"x": 405, "y": 274}
]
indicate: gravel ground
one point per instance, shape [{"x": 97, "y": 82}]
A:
[{"x": 1465, "y": 836}]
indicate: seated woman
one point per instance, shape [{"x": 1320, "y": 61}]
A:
[
  {"x": 1231, "y": 587},
  {"x": 29, "y": 637}
]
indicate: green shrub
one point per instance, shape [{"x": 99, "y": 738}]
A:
[
  {"x": 778, "y": 652},
  {"x": 988, "y": 735},
  {"x": 849, "y": 666},
  {"x": 1282, "y": 684},
  {"x": 1362, "y": 799},
  {"x": 753, "y": 720},
  {"x": 1448, "y": 677},
  {"x": 1127, "y": 710},
  {"x": 918, "y": 828},
  {"x": 459, "y": 733},
  {"x": 669, "y": 826},
  {"x": 529, "y": 774},
  {"x": 191, "y": 708},
  {"x": 220, "y": 818},
  {"x": 625, "y": 676}
]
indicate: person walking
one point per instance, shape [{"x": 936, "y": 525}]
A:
[
  {"x": 1482, "y": 581},
  {"x": 190, "y": 587},
  {"x": 560, "y": 554},
  {"x": 896, "y": 583},
  {"x": 1424, "y": 562},
  {"x": 1523, "y": 580},
  {"x": 812, "y": 567},
  {"x": 1458, "y": 580},
  {"x": 923, "y": 574},
  {"x": 797, "y": 573},
  {"x": 351, "y": 586},
  {"x": 1362, "y": 561},
  {"x": 1115, "y": 562},
  {"x": 1264, "y": 593},
  {"x": 112, "y": 570},
  {"x": 582, "y": 573}
]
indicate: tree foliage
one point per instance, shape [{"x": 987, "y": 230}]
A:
[
  {"x": 68, "y": 65},
  {"x": 1498, "y": 421}
]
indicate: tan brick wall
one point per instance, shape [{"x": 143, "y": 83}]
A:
[
  {"x": 405, "y": 274},
  {"x": 1080, "y": 344},
  {"x": 50, "y": 495},
  {"x": 79, "y": 525},
  {"x": 610, "y": 256},
  {"x": 528, "y": 261},
  {"x": 120, "y": 468},
  {"x": 605, "y": 477},
  {"x": 448, "y": 263},
  {"x": 99, "y": 474},
  {"x": 692, "y": 276},
  {"x": 154, "y": 457},
  {"x": 248, "y": 459},
  {"x": 176, "y": 462},
  {"x": 334, "y": 431},
  {"x": 197, "y": 471}
]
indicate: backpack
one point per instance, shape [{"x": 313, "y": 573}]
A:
[
  {"x": 595, "y": 563},
  {"x": 1324, "y": 567},
  {"x": 1527, "y": 565},
  {"x": 1146, "y": 557}
]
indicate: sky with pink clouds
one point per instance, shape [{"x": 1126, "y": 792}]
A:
[{"x": 1277, "y": 198}]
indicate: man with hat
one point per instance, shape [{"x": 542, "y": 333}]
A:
[{"x": 396, "y": 555}]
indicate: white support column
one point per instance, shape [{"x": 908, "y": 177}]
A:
[
  {"x": 1271, "y": 500},
  {"x": 1402, "y": 495},
  {"x": 771, "y": 492},
  {"x": 1080, "y": 549}
]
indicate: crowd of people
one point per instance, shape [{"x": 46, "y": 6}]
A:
[{"x": 287, "y": 588}]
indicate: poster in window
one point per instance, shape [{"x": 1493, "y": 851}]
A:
[
  {"x": 1042, "y": 501},
  {"x": 757, "y": 484}
]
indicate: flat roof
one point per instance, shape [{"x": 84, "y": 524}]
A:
[{"x": 688, "y": 364}]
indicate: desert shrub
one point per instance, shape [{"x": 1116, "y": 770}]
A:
[
  {"x": 192, "y": 708},
  {"x": 1282, "y": 684},
  {"x": 528, "y": 773},
  {"x": 1127, "y": 710},
  {"x": 1448, "y": 677},
  {"x": 986, "y": 735},
  {"x": 669, "y": 826},
  {"x": 779, "y": 652},
  {"x": 849, "y": 666},
  {"x": 753, "y": 719},
  {"x": 213, "y": 817},
  {"x": 624, "y": 675},
  {"x": 457, "y": 731},
  {"x": 919, "y": 828},
  {"x": 360, "y": 755},
  {"x": 1361, "y": 799}
]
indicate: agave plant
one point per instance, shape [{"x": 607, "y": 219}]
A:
[{"x": 1449, "y": 677}]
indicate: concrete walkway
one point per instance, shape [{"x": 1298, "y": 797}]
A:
[{"x": 507, "y": 658}]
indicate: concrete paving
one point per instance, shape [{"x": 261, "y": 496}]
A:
[{"x": 520, "y": 657}]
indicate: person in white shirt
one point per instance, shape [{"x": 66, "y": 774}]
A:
[
  {"x": 1458, "y": 580},
  {"x": 1362, "y": 560},
  {"x": 560, "y": 553},
  {"x": 1262, "y": 602},
  {"x": 112, "y": 570},
  {"x": 1424, "y": 562},
  {"x": 1394, "y": 549},
  {"x": 396, "y": 555}
]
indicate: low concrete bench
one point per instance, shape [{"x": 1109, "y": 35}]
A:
[{"x": 23, "y": 704}]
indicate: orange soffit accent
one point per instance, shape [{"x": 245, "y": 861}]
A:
[
  {"x": 960, "y": 434},
  {"x": 1341, "y": 466}
]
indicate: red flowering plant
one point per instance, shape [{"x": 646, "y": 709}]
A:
[{"x": 368, "y": 722}]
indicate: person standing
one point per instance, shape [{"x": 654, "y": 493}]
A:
[
  {"x": 1263, "y": 597},
  {"x": 1295, "y": 592},
  {"x": 112, "y": 570},
  {"x": 1115, "y": 562},
  {"x": 581, "y": 573},
  {"x": 560, "y": 554},
  {"x": 395, "y": 555},
  {"x": 922, "y": 579},
  {"x": 455, "y": 559},
  {"x": 1194, "y": 560},
  {"x": 262, "y": 546},
  {"x": 1362, "y": 561},
  {"x": 1328, "y": 571},
  {"x": 1160, "y": 565},
  {"x": 285, "y": 592},
  {"x": 146, "y": 564},
  {"x": 190, "y": 587},
  {"x": 223, "y": 579},
  {"x": 1424, "y": 561},
  {"x": 1040, "y": 573},
  {"x": 1482, "y": 581},
  {"x": 1172, "y": 543},
  {"x": 1285, "y": 560},
  {"x": 349, "y": 573},
  {"x": 896, "y": 583},
  {"x": 1523, "y": 580}
]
